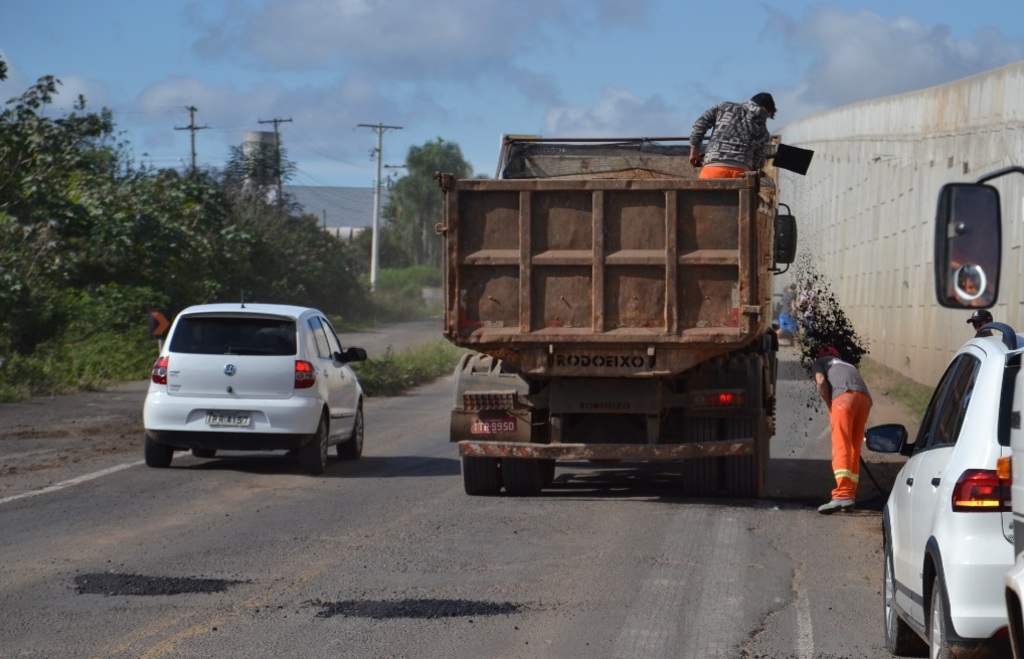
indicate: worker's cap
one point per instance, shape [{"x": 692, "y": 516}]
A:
[
  {"x": 980, "y": 316},
  {"x": 765, "y": 100},
  {"x": 828, "y": 352}
]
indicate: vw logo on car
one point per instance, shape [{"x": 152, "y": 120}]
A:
[{"x": 230, "y": 369}]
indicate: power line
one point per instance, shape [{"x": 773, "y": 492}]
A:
[
  {"x": 192, "y": 128},
  {"x": 277, "y": 149},
  {"x": 374, "y": 242}
]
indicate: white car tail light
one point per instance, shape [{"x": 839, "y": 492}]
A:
[
  {"x": 305, "y": 374},
  {"x": 981, "y": 491},
  {"x": 159, "y": 373}
]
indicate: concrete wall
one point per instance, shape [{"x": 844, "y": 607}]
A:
[{"x": 866, "y": 208}]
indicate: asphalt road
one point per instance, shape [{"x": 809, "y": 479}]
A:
[{"x": 387, "y": 557}]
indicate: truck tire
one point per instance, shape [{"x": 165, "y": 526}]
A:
[
  {"x": 701, "y": 476},
  {"x": 481, "y": 476},
  {"x": 523, "y": 476},
  {"x": 745, "y": 474}
]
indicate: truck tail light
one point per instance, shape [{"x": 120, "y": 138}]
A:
[
  {"x": 718, "y": 399},
  {"x": 478, "y": 401},
  {"x": 159, "y": 373},
  {"x": 305, "y": 374},
  {"x": 981, "y": 491}
]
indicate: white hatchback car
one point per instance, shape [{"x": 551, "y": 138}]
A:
[
  {"x": 253, "y": 377},
  {"x": 947, "y": 526}
]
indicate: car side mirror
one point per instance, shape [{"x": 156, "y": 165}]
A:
[
  {"x": 887, "y": 438},
  {"x": 968, "y": 246},
  {"x": 353, "y": 355}
]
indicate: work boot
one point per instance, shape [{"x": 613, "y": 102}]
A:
[{"x": 836, "y": 505}]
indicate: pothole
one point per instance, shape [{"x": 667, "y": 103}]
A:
[
  {"x": 109, "y": 583},
  {"x": 414, "y": 608}
]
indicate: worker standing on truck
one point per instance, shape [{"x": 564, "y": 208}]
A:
[
  {"x": 739, "y": 137},
  {"x": 844, "y": 392}
]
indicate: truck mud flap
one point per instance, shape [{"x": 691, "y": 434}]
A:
[{"x": 637, "y": 452}]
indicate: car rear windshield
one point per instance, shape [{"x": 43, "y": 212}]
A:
[{"x": 207, "y": 335}]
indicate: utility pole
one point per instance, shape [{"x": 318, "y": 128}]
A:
[
  {"x": 374, "y": 238},
  {"x": 277, "y": 153},
  {"x": 192, "y": 128}
]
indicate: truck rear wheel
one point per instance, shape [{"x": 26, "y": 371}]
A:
[
  {"x": 745, "y": 474},
  {"x": 523, "y": 476},
  {"x": 481, "y": 476},
  {"x": 700, "y": 477}
]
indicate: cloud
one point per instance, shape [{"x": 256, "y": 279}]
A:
[
  {"x": 859, "y": 55},
  {"x": 617, "y": 113}
]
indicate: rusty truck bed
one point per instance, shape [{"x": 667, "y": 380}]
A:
[{"x": 634, "y": 277}]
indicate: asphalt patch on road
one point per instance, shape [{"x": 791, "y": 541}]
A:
[
  {"x": 109, "y": 583},
  {"x": 414, "y": 608}
]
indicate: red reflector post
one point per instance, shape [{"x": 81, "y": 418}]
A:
[{"x": 981, "y": 491}]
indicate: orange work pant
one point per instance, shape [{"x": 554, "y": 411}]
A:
[
  {"x": 721, "y": 171},
  {"x": 849, "y": 416}
]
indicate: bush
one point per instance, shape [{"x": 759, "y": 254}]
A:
[{"x": 394, "y": 373}]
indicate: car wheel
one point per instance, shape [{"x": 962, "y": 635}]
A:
[
  {"x": 938, "y": 634},
  {"x": 481, "y": 476},
  {"x": 157, "y": 455},
  {"x": 313, "y": 456},
  {"x": 204, "y": 452},
  {"x": 900, "y": 639},
  {"x": 352, "y": 447}
]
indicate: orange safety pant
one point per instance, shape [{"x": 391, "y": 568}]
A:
[
  {"x": 721, "y": 171},
  {"x": 849, "y": 416}
]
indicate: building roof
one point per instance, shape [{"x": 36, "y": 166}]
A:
[{"x": 337, "y": 207}]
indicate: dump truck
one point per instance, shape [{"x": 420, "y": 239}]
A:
[{"x": 615, "y": 308}]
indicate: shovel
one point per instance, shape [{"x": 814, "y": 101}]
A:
[{"x": 793, "y": 158}]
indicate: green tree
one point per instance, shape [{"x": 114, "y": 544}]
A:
[{"x": 415, "y": 204}]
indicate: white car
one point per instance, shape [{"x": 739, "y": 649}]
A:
[
  {"x": 253, "y": 377},
  {"x": 947, "y": 525}
]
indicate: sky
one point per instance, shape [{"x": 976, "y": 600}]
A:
[{"x": 470, "y": 71}]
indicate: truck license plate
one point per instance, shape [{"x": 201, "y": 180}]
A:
[
  {"x": 238, "y": 419},
  {"x": 493, "y": 426}
]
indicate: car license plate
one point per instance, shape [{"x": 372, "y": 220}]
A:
[
  {"x": 493, "y": 426},
  {"x": 240, "y": 419}
]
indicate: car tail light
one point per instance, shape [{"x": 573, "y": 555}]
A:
[
  {"x": 981, "y": 491},
  {"x": 159, "y": 373},
  {"x": 305, "y": 374},
  {"x": 1004, "y": 467}
]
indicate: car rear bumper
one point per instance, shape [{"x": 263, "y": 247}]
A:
[
  {"x": 228, "y": 441},
  {"x": 274, "y": 424}
]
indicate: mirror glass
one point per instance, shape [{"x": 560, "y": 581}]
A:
[{"x": 968, "y": 244}]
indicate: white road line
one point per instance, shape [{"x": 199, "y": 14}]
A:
[
  {"x": 73, "y": 481},
  {"x": 804, "y": 629}
]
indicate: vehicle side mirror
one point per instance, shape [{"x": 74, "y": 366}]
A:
[
  {"x": 886, "y": 438},
  {"x": 785, "y": 239},
  {"x": 968, "y": 246},
  {"x": 353, "y": 355}
]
